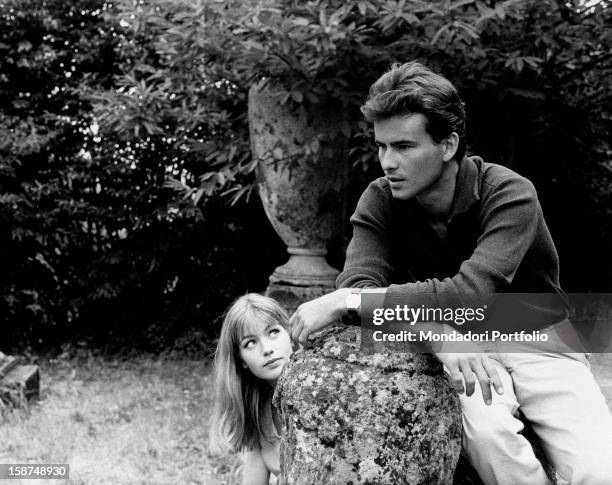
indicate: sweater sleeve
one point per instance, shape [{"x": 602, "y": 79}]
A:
[
  {"x": 509, "y": 218},
  {"x": 368, "y": 256}
]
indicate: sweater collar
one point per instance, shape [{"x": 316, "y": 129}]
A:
[{"x": 467, "y": 188}]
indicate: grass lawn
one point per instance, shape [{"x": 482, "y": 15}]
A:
[
  {"x": 137, "y": 421},
  {"x": 141, "y": 420}
]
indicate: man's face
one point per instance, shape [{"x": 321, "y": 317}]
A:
[{"x": 412, "y": 161}]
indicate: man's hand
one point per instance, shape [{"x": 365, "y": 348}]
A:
[
  {"x": 465, "y": 362},
  {"x": 463, "y": 367},
  {"x": 317, "y": 314}
]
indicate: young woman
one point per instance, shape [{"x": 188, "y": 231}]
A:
[{"x": 253, "y": 348}]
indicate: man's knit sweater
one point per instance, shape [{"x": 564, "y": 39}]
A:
[{"x": 495, "y": 241}]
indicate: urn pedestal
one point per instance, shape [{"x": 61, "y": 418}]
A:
[{"x": 300, "y": 178}]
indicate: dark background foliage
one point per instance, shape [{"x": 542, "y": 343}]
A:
[
  {"x": 92, "y": 247},
  {"x": 125, "y": 172}
]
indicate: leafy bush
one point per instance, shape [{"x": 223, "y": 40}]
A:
[
  {"x": 46, "y": 51},
  {"x": 93, "y": 246},
  {"x": 125, "y": 171}
]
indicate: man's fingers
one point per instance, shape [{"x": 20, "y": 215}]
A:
[
  {"x": 468, "y": 377},
  {"x": 303, "y": 336},
  {"x": 483, "y": 379},
  {"x": 493, "y": 375},
  {"x": 456, "y": 379},
  {"x": 464, "y": 369},
  {"x": 296, "y": 329},
  {"x": 293, "y": 320}
]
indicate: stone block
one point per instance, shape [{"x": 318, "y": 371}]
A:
[{"x": 19, "y": 385}]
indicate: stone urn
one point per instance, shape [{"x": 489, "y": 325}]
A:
[
  {"x": 378, "y": 418},
  {"x": 300, "y": 177}
]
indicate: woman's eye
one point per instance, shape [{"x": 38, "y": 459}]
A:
[
  {"x": 248, "y": 344},
  {"x": 275, "y": 331}
]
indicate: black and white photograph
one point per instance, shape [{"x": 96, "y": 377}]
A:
[{"x": 303, "y": 242}]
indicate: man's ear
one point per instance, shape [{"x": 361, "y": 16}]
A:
[{"x": 451, "y": 144}]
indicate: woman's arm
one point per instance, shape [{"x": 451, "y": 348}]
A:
[{"x": 254, "y": 470}]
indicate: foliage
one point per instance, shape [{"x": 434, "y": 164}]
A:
[
  {"x": 46, "y": 51},
  {"x": 178, "y": 91},
  {"x": 550, "y": 55},
  {"x": 94, "y": 246},
  {"x": 538, "y": 68},
  {"x": 125, "y": 138}
]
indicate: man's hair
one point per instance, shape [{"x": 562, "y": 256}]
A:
[{"x": 413, "y": 88}]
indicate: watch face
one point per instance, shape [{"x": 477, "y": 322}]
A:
[{"x": 353, "y": 301}]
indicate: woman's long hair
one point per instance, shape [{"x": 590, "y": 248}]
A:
[{"x": 240, "y": 397}]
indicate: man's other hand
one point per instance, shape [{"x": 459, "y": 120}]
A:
[
  {"x": 317, "y": 314},
  {"x": 469, "y": 367}
]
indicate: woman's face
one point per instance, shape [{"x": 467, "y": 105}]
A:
[{"x": 265, "y": 349}]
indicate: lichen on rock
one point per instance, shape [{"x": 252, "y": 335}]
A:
[{"x": 377, "y": 418}]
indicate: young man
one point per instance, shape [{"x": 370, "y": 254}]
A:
[{"x": 441, "y": 229}]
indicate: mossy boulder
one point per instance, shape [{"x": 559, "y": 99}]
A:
[{"x": 369, "y": 418}]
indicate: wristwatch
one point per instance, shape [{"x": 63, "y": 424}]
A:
[{"x": 353, "y": 305}]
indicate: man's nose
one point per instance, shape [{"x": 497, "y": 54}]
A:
[{"x": 388, "y": 161}]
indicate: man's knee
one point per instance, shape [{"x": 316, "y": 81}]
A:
[{"x": 493, "y": 437}]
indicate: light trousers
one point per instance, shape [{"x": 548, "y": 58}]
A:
[{"x": 558, "y": 395}]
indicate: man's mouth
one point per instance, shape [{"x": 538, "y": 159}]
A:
[
  {"x": 395, "y": 179},
  {"x": 272, "y": 361}
]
